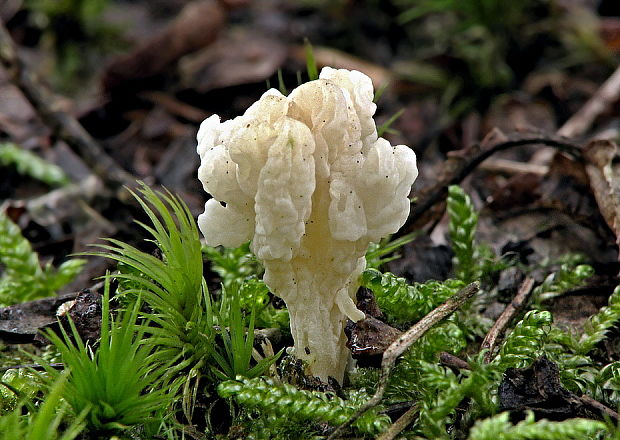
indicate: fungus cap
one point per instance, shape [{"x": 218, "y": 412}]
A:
[{"x": 308, "y": 181}]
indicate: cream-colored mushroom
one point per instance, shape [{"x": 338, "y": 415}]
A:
[{"x": 307, "y": 180}]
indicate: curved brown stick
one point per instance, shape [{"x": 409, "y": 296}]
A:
[
  {"x": 399, "y": 425},
  {"x": 605, "y": 96},
  {"x": 599, "y": 407},
  {"x": 63, "y": 125},
  {"x": 461, "y": 163},
  {"x": 490, "y": 340}
]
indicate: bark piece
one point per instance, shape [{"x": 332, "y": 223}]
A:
[
  {"x": 368, "y": 339},
  {"x": 86, "y": 315},
  {"x": 84, "y": 311},
  {"x": 367, "y": 303},
  {"x": 538, "y": 388},
  {"x": 21, "y": 322}
]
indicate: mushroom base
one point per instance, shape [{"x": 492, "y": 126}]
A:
[{"x": 319, "y": 304}]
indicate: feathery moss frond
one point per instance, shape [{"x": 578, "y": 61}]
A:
[
  {"x": 570, "y": 275},
  {"x": 462, "y": 229},
  {"x": 254, "y": 295},
  {"x": 29, "y": 164},
  {"x": 500, "y": 427},
  {"x": 608, "y": 379},
  {"x": 17, "y": 255},
  {"x": 404, "y": 302},
  {"x": 447, "y": 336},
  {"x": 443, "y": 392},
  {"x": 24, "y": 279},
  {"x": 17, "y": 384},
  {"x": 286, "y": 401},
  {"x": 471, "y": 261},
  {"x": 239, "y": 267},
  {"x": 63, "y": 274},
  {"x": 233, "y": 265},
  {"x": 406, "y": 382},
  {"x": 596, "y": 328},
  {"x": 525, "y": 341}
]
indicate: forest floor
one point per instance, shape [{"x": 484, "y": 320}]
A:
[{"x": 518, "y": 105}]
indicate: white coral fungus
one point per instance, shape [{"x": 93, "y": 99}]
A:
[{"x": 306, "y": 178}]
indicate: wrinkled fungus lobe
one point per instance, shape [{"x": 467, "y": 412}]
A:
[{"x": 307, "y": 180}]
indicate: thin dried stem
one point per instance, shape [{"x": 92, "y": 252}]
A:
[
  {"x": 399, "y": 425},
  {"x": 405, "y": 341},
  {"x": 36, "y": 367},
  {"x": 605, "y": 96},
  {"x": 490, "y": 340}
]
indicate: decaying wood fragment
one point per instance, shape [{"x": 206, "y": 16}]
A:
[
  {"x": 20, "y": 323},
  {"x": 449, "y": 360},
  {"x": 368, "y": 340}
]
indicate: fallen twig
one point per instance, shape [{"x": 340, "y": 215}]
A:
[
  {"x": 490, "y": 340},
  {"x": 513, "y": 167},
  {"x": 580, "y": 122},
  {"x": 599, "y": 407},
  {"x": 36, "y": 367},
  {"x": 176, "y": 107},
  {"x": 605, "y": 96},
  {"x": 64, "y": 125},
  {"x": 405, "y": 341},
  {"x": 461, "y": 163},
  {"x": 399, "y": 425}
]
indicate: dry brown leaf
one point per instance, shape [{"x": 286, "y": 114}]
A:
[
  {"x": 327, "y": 56},
  {"x": 604, "y": 177},
  {"x": 196, "y": 26},
  {"x": 238, "y": 58}
]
